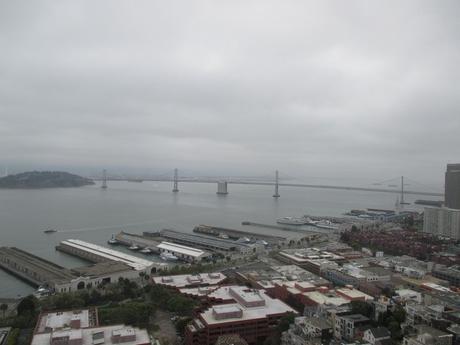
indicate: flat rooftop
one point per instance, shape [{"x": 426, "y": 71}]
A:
[
  {"x": 227, "y": 312},
  {"x": 134, "y": 262},
  {"x": 329, "y": 298},
  {"x": 187, "y": 280},
  {"x": 56, "y": 320},
  {"x": 98, "y": 335},
  {"x": 178, "y": 248}
]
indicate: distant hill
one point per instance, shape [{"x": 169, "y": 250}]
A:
[{"x": 43, "y": 179}]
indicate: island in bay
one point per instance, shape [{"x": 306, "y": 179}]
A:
[{"x": 43, "y": 179}]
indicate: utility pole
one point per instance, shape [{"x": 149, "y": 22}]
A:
[
  {"x": 276, "y": 195},
  {"x": 176, "y": 182},
  {"x": 104, "y": 179}
]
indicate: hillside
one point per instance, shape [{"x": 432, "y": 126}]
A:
[{"x": 43, "y": 179}]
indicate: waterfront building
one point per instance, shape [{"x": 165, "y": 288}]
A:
[
  {"x": 442, "y": 221},
  {"x": 452, "y": 186},
  {"x": 182, "y": 252}
]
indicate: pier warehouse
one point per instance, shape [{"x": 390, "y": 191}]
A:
[
  {"x": 182, "y": 252},
  {"x": 201, "y": 241},
  {"x": 95, "y": 253}
]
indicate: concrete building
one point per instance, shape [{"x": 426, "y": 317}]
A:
[
  {"x": 450, "y": 274},
  {"x": 190, "y": 280},
  {"x": 349, "y": 327},
  {"x": 252, "y": 314},
  {"x": 4, "y": 331},
  {"x": 428, "y": 336},
  {"x": 442, "y": 221},
  {"x": 81, "y": 327},
  {"x": 308, "y": 330},
  {"x": 452, "y": 186},
  {"x": 376, "y": 334}
]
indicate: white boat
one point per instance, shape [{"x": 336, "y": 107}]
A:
[
  {"x": 133, "y": 247},
  {"x": 327, "y": 224},
  {"x": 309, "y": 221},
  {"x": 168, "y": 257},
  {"x": 146, "y": 251},
  {"x": 112, "y": 240},
  {"x": 290, "y": 221}
]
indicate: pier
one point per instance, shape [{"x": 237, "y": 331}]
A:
[
  {"x": 33, "y": 269},
  {"x": 142, "y": 242},
  {"x": 96, "y": 254},
  {"x": 200, "y": 241},
  {"x": 236, "y": 234}
]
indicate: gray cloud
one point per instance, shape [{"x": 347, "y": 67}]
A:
[{"x": 361, "y": 89}]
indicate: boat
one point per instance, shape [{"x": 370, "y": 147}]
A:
[
  {"x": 309, "y": 221},
  {"x": 168, "y": 257},
  {"x": 49, "y": 231},
  {"x": 146, "y": 251},
  {"x": 290, "y": 221},
  {"x": 133, "y": 247},
  {"x": 327, "y": 224},
  {"x": 112, "y": 240},
  {"x": 224, "y": 236}
]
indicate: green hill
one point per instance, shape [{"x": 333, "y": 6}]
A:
[{"x": 43, "y": 179}]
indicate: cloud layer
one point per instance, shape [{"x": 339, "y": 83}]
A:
[{"x": 324, "y": 88}]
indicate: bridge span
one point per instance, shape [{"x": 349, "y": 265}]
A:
[{"x": 300, "y": 185}]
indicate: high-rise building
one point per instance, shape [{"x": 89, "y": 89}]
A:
[
  {"x": 442, "y": 221},
  {"x": 452, "y": 186}
]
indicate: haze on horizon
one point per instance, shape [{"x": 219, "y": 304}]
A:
[{"x": 351, "y": 89}]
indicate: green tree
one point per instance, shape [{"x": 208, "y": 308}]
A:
[{"x": 4, "y": 308}]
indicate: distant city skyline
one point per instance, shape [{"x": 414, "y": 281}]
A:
[{"x": 335, "y": 90}]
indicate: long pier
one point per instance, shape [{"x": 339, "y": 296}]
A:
[
  {"x": 32, "y": 269},
  {"x": 236, "y": 234}
]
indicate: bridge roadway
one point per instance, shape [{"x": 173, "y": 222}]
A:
[{"x": 302, "y": 185}]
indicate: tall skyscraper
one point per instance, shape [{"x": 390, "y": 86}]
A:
[{"x": 452, "y": 186}]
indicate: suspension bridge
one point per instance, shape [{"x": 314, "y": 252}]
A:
[{"x": 397, "y": 185}]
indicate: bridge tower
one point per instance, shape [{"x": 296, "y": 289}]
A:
[
  {"x": 276, "y": 195},
  {"x": 104, "y": 179},
  {"x": 176, "y": 181}
]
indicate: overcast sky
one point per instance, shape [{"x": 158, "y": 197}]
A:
[{"x": 312, "y": 88}]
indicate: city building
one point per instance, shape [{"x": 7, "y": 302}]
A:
[
  {"x": 308, "y": 330},
  {"x": 427, "y": 335},
  {"x": 190, "y": 280},
  {"x": 350, "y": 326},
  {"x": 4, "y": 331},
  {"x": 451, "y": 274},
  {"x": 442, "y": 221},
  {"x": 252, "y": 314},
  {"x": 81, "y": 327},
  {"x": 376, "y": 334},
  {"x": 452, "y": 186}
]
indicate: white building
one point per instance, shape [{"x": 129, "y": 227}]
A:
[
  {"x": 372, "y": 335},
  {"x": 80, "y": 327},
  {"x": 184, "y": 253},
  {"x": 442, "y": 221}
]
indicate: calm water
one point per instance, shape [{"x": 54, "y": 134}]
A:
[{"x": 92, "y": 214}]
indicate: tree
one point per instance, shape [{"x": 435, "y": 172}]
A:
[
  {"x": 4, "y": 308},
  {"x": 27, "y": 305}
]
